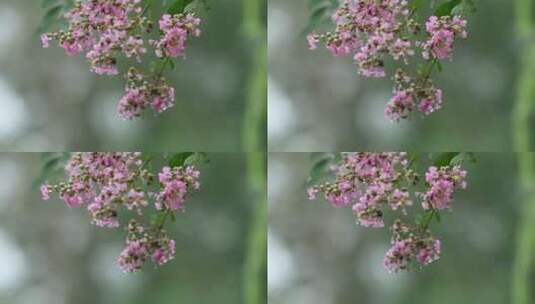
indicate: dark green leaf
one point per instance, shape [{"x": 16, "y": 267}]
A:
[
  {"x": 320, "y": 10},
  {"x": 48, "y": 3},
  {"x": 464, "y": 8},
  {"x": 319, "y": 169},
  {"x": 178, "y": 6},
  {"x": 437, "y": 217},
  {"x": 439, "y": 66},
  {"x": 179, "y": 159},
  {"x": 159, "y": 220},
  {"x": 196, "y": 5},
  {"x": 198, "y": 158},
  {"x": 50, "y": 17},
  {"x": 463, "y": 158},
  {"x": 424, "y": 219},
  {"x": 446, "y": 8},
  {"x": 416, "y": 4},
  {"x": 444, "y": 159}
]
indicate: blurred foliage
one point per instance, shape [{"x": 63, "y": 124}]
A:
[
  {"x": 56, "y": 103},
  {"x": 318, "y": 254},
  {"x": 320, "y": 103},
  {"x": 67, "y": 260}
]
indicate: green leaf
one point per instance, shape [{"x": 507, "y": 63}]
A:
[
  {"x": 319, "y": 12},
  {"x": 50, "y": 17},
  {"x": 426, "y": 219},
  {"x": 48, "y": 3},
  {"x": 439, "y": 66},
  {"x": 178, "y": 6},
  {"x": 196, "y": 5},
  {"x": 446, "y": 8},
  {"x": 52, "y": 163},
  {"x": 159, "y": 220},
  {"x": 464, "y": 8},
  {"x": 179, "y": 159},
  {"x": 198, "y": 158},
  {"x": 437, "y": 217},
  {"x": 463, "y": 158},
  {"x": 444, "y": 159},
  {"x": 69, "y": 4},
  {"x": 320, "y": 168},
  {"x": 416, "y": 4},
  {"x": 413, "y": 157}
]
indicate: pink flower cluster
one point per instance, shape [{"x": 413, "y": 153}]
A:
[
  {"x": 108, "y": 29},
  {"x": 370, "y": 31},
  {"x": 112, "y": 183},
  {"x": 442, "y": 33},
  {"x": 176, "y": 30},
  {"x": 103, "y": 29},
  {"x": 176, "y": 183},
  {"x": 142, "y": 93},
  {"x": 373, "y": 31},
  {"x": 104, "y": 182},
  {"x": 409, "y": 244},
  {"x": 376, "y": 183},
  {"x": 442, "y": 184},
  {"x": 411, "y": 94},
  {"x": 370, "y": 182},
  {"x": 142, "y": 245}
]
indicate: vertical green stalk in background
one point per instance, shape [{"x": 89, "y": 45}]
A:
[
  {"x": 253, "y": 132},
  {"x": 523, "y": 110},
  {"x": 254, "y": 142},
  {"x": 254, "y": 276}
]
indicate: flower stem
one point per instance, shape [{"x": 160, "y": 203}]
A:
[
  {"x": 166, "y": 61},
  {"x": 161, "y": 221},
  {"x": 430, "y": 215},
  {"x": 429, "y": 69}
]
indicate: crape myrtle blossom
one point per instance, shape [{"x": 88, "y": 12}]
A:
[
  {"x": 143, "y": 245},
  {"x": 442, "y": 183},
  {"x": 374, "y": 184},
  {"x": 410, "y": 245},
  {"x": 103, "y": 30},
  {"x": 176, "y": 30},
  {"x": 412, "y": 94},
  {"x": 371, "y": 32},
  {"x": 370, "y": 183},
  {"x": 107, "y": 30},
  {"x": 176, "y": 184},
  {"x": 442, "y": 33},
  {"x": 142, "y": 92},
  {"x": 110, "y": 184}
]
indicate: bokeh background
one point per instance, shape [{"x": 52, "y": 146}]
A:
[
  {"x": 51, "y": 254},
  {"x": 51, "y": 102},
  {"x": 317, "y": 254},
  {"x": 320, "y": 103}
]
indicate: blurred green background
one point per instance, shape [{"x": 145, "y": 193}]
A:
[
  {"x": 51, "y": 102},
  {"x": 320, "y": 103},
  {"x": 317, "y": 254},
  {"x": 51, "y": 254}
]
